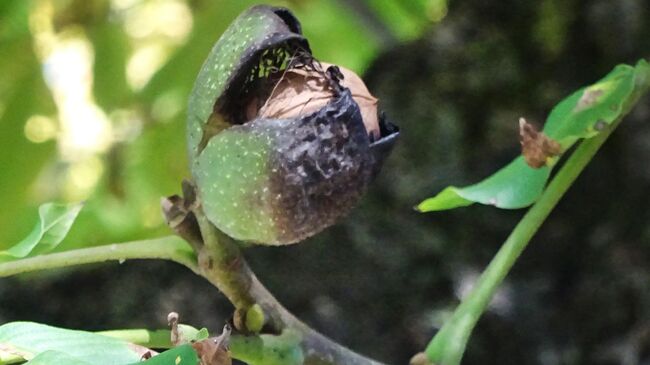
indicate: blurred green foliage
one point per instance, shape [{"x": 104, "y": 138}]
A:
[{"x": 122, "y": 183}]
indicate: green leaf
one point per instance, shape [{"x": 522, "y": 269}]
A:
[
  {"x": 181, "y": 355},
  {"x": 189, "y": 334},
  {"x": 55, "y": 358},
  {"x": 515, "y": 186},
  {"x": 157, "y": 339},
  {"x": 33, "y": 339},
  {"x": 589, "y": 110},
  {"x": 283, "y": 349},
  {"x": 54, "y": 223},
  {"x": 583, "y": 114}
]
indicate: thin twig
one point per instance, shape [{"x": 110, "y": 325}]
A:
[{"x": 166, "y": 248}]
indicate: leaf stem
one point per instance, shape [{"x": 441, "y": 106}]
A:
[
  {"x": 448, "y": 345},
  {"x": 252, "y": 349},
  {"x": 153, "y": 339},
  {"x": 168, "y": 248}
]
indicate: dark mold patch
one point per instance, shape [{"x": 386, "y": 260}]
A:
[
  {"x": 320, "y": 169},
  {"x": 382, "y": 147}
]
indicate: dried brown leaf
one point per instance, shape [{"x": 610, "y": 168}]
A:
[
  {"x": 536, "y": 147},
  {"x": 211, "y": 353},
  {"x": 420, "y": 359},
  {"x": 214, "y": 350},
  {"x": 588, "y": 98}
]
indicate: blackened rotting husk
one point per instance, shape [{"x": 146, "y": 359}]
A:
[
  {"x": 382, "y": 147},
  {"x": 321, "y": 166}
]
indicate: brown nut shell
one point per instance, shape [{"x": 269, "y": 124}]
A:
[{"x": 302, "y": 92}]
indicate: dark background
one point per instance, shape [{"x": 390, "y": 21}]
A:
[{"x": 454, "y": 76}]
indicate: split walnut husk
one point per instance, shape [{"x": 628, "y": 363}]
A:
[{"x": 282, "y": 145}]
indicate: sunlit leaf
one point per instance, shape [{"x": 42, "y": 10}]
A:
[
  {"x": 583, "y": 114},
  {"x": 54, "y": 223},
  {"x": 181, "y": 355},
  {"x": 85, "y": 347}
]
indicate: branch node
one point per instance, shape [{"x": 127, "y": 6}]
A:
[{"x": 179, "y": 215}]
